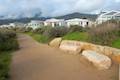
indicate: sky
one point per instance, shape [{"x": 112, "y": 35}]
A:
[{"x": 16, "y": 8}]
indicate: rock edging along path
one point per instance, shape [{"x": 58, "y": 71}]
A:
[{"x": 36, "y": 61}]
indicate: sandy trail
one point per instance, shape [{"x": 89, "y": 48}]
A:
[{"x": 35, "y": 61}]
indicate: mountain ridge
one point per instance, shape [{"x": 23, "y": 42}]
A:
[{"x": 37, "y": 17}]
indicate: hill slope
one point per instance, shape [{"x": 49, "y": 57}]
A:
[{"x": 78, "y": 15}]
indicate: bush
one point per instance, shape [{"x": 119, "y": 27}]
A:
[
  {"x": 75, "y": 28},
  {"x": 28, "y": 29},
  {"x": 38, "y": 31},
  {"x": 104, "y": 33},
  {"x": 41, "y": 30},
  {"x": 8, "y": 43},
  {"x": 55, "y": 32},
  {"x": 5, "y": 59},
  {"x": 8, "y": 40}
]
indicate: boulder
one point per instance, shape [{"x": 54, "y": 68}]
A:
[
  {"x": 108, "y": 50},
  {"x": 97, "y": 48},
  {"x": 116, "y": 55},
  {"x": 72, "y": 47},
  {"x": 99, "y": 60},
  {"x": 87, "y": 46},
  {"x": 93, "y": 47},
  {"x": 55, "y": 42}
]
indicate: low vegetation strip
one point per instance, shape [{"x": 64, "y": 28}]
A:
[
  {"x": 106, "y": 34},
  {"x": 38, "y": 37},
  {"x": 5, "y": 59},
  {"x": 79, "y": 36},
  {"x": 8, "y": 43}
]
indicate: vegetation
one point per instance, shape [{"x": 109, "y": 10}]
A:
[
  {"x": 104, "y": 34},
  {"x": 55, "y": 32},
  {"x": 38, "y": 37},
  {"x": 116, "y": 43},
  {"x": 8, "y": 40},
  {"x": 8, "y": 43},
  {"x": 5, "y": 59},
  {"x": 75, "y": 28},
  {"x": 79, "y": 36},
  {"x": 107, "y": 34}
]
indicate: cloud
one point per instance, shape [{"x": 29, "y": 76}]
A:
[
  {"x": 117, "y": 1},
  {"x": 16, "y": 8}
]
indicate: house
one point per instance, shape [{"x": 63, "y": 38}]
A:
[
  {"x": 35, "y": 24},
  {"x": 4, "y": 26},
  {"x": 17, "y": 24},
  {"x": 78, "y": 21},
  {"x": 103, "y": 17},
  {"x": 54, "y": 22}
]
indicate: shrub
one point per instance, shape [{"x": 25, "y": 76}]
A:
[
  {"x": 8, "y": 40},
  {"x": 5, "y": 59},
  {"x": 41, "y": 30},
  {"x": 75, "y": 28},
  {"x": 104, "y": 33},
  {"x": 55, "y": 32},
  {"x": 28, "y": 29},
  {"x": 8, "y": 43}
]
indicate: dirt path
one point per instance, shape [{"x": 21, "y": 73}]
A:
[{"x": 36, "y": 61}]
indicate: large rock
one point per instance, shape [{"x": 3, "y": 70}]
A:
[
  {"x": 109, "y": 51},
  {"x": 87, "y": 46},
  {"x": 55, "y": 42},
  {"x": 99, "y": 60},
  {"x": 72, "y": 47},
  {"x": 116, "y": 55},
  {"x": 100, "y": 49}
]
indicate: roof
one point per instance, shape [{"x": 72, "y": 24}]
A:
[
  {"x": 54, "y": 20},
  {"x": 111, "y": 13},
  {"x": 76, "y": 19},
  {"x": 36, "y": 21}
]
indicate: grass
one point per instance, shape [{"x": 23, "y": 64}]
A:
[
  {"x": 116, "y": 43},
  {"x": 5, "y": 59},
  {"x": 79, "y": 36},
  {"x": 82, "y": 36},
  {"x": 38, "y": 37}
]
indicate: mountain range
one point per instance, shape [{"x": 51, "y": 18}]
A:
[{"x": 37, "y": 17}]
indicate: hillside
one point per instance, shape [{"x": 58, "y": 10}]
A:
[
  {"x": 78, "y": 15},
  {"x": 67, "y": 16}
]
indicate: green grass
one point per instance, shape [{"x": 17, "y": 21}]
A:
[
  {"x": 116, "y": 43},
  {"x": 40, "y": 38},
  {"x": 79, "y": 36},
  {"x": 5, "y": 59}
]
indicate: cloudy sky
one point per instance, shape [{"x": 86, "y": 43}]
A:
[{"x": 28, "y": 8}]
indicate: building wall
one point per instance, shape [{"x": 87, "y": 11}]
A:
[
  {"x": 79, "y": 23},
  {"x": 53, "y": 24},
  {"x": 35, "y": 25},
  {"x": 104, "y": 17}
]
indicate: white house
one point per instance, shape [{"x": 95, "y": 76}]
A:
[
  {"x": 35, "y": 24},
  {"x": 115, "y": 15},
  {"x": 54, "y": 22},
  {"x": 17, "y": 24},
  {"x": 79, "y": 22},
  {"x": 4, "y": 26}
]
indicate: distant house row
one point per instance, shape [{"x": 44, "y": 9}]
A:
[
  {"x": 60, "y": 22},
  {"x": 103, "y": 17}
]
